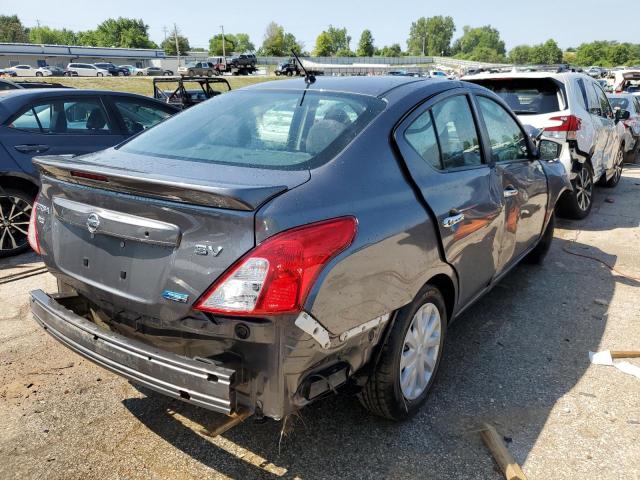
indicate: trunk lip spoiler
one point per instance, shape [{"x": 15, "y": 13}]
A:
[
  {"x": 208, "y": 385},
  {"x": 230, "y": 196}
]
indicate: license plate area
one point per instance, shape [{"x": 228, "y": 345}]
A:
[{"x": 128, "y": 268}]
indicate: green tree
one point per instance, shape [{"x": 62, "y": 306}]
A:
[
  {"x": 365, "y": 45},
  {"x": 87, "y": 38},
  {"x": 243, "y": 43},
  {"x": 278, "y": 44},
  {"x": 215, "y": 44},
  {"x": 50, "y": 36},
  {"x": 434, "y": 33},
  {"x": 483, "y": 41},
  {"x": 169, "y": 45},
  {"x": 594, "y": 53},
  {"x": 331, "y": 41},
  {"x": 549, "y": 53},
  {"x": 393, "y": 50},
  {"x": 521, "y": 54},
  {"x": 123, "y": 32},
  {"x": 12, "y": 30}
]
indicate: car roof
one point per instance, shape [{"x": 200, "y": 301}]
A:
[
  {"x": 513, "y": 75},
  {"x": 372, "y": 86}
]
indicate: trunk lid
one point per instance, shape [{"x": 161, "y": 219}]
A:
[{"x": 149, "y": 243}]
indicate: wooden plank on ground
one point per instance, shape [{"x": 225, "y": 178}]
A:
[{"x": 502, "y": 456}]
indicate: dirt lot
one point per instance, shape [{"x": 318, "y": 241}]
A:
[{"x": 518, "y": 359}]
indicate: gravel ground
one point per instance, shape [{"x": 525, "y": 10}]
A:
[{"x": 517, "y": 359}]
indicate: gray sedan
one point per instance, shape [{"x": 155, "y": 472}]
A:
[{"x": 286, "y": 241}]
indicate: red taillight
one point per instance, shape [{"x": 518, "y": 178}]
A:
[
  {"x": 276, "y": 276},
  {"x": 32, "y": 234},
  {"x": 570, "y": 123}
]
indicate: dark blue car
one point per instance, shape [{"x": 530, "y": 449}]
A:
[{"x": 58, "y": 122}]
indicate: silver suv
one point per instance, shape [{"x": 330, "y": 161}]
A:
[{"x": 573, "y": 108}]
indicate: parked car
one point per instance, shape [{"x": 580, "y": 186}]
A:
[
  {"x": 288, "y": 68},
  {"x": 243, "y": 60},
  {"x": 626, "y": 102},
  {"x": 279, "y": 242},
  {"x": 595, "y": 72},
  {"x": 193, "y": 69},
  {"x": 627, "y": 81},
  {"x": 29, "y": 71},
  {"x": 133, "y": 70},
  {"x": 56, "y": 71},
  {"x": 61, "y": 122},
  {"x": 573, "y": 108},
  {"x": 5, "y": 72},
  {"x": 8, "y": 85},
  {"x": 113, "y": 70},
  {"x": 85, "y": 70},
  {"x": 153, "y": 71}
]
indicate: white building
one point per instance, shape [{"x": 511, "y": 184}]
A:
[{"x": 60, "y": 55}]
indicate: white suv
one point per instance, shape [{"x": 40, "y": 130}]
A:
[
  {"x": 86, "y": 70},
  {"x": 573, "y": 108}
]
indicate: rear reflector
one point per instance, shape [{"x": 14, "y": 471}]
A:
[
  {"x": 32, "y": 234},
  {"x": 90, "y": 176},
  {"x": 277, "y": 275}
]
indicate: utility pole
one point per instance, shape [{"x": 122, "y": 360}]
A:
[
  {"x": 224, "y": 53},
  {"x": 175, "y": 37},
  {"x": 424, "y": 38},
  {"x": 165, "y": 30}
]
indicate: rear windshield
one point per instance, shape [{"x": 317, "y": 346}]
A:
[
  {"x": 527, "y": 96},
  {"x": 618, "y": 102},
  {"x": 264, "y": 129}
]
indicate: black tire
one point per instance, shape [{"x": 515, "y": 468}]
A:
[
  {"x": 571, "y": 204},
  {"x": 382, "y": 395},
  {"x": 617, "y": 166},
  {"x": 38, "y": 74},
  {"x": 289, "y": 73},
  {"x": 277, "y": 73},
  {"x": 14, "y": 198},
  {"x": 98, "y": 74},
  {"x": 538, "y": 254}
]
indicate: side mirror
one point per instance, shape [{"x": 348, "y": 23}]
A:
[
  {"x": 549, "y": 150},
  {"x": 534, "y": 135},
  {"x": 622, "y": 114}
]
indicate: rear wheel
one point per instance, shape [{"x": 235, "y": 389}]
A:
[
  {"x": 209, "y": 73},
  {"x": 537, "y": 255},
  {"x": 98, "y": 74},
  {"x": 617, "y": 169},
  {"x": 15, "y": 211},
  {"x": 38, "y": 74},
  {"x": 289, "y": 73},
  {"x": 407, "y": 367},
  {"x": 577, "y": 203}
]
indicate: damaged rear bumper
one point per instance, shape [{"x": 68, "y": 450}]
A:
[{"x": 206, "y": 384}]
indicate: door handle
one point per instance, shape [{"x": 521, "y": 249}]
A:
[
  {"x": 452, "y": 220},
  {"x": 510, "y": 192},
  {"x": 31, "y": 148}
]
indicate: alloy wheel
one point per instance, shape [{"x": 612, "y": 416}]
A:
[
  {"x": 14, "y": 223},
  {"x": 420, "y": 351},
  {"x": 618, "y": 167},
  {"x": 584, "y": 189}
]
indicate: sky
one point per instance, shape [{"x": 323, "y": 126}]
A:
[{"x": 569, "y": 22}]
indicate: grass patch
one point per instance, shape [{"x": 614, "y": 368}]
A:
[{"x": 140, "y": 85}]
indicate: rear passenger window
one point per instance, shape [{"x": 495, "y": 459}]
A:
[
  {"x": 58, "y": 117},
  {"x": 421, "y": 136},
  {"x": 605, "y": 107},
  {"x": 457, "y": 133},
  {"x": 508, "y": 142}
]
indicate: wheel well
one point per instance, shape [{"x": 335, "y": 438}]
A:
[
  {"x": 7, "y": 181},
  {"x": 447, "y": 288}
]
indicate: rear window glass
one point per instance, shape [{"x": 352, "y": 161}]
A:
[
  {"x": 617, "y": 102},
  {"x": 264, "y": 129},
  {"x": 527, "y": 96}
]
